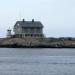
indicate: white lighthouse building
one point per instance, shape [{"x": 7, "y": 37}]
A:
[{"x": 9, "y": 33}]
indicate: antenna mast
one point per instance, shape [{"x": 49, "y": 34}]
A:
[{"x": 20, "y": 15}]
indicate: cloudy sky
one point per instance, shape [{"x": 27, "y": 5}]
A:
[{"x": 57, "y": 16}]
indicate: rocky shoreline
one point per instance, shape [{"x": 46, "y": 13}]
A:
[{"x": 37, "y": 42}]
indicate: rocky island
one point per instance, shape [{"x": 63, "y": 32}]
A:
[
  {"x": 29, "y": 34},
  {"x": 37, "y": 42}
]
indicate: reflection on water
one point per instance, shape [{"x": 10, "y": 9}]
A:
[{"x": 15, "y": 61}]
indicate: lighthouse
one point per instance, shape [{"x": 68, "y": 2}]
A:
[{"x": 9, "y": 33}]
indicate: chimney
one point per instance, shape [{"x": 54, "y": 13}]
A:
[
  {"x": 32, "y": 20},
  {"x": 23, "y": 20}
]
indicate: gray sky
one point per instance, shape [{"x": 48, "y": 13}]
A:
[{"x": 57, "y": 16}]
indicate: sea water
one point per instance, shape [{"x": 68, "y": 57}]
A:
[{"x": 37, "y": 61}]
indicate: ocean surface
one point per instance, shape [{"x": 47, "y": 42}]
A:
[{"x": 37, "y": 61}]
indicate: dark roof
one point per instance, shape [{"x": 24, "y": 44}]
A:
[{"x": 29, "y": 23}]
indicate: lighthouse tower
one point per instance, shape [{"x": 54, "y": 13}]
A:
[{"x": 8, "y": 33}]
